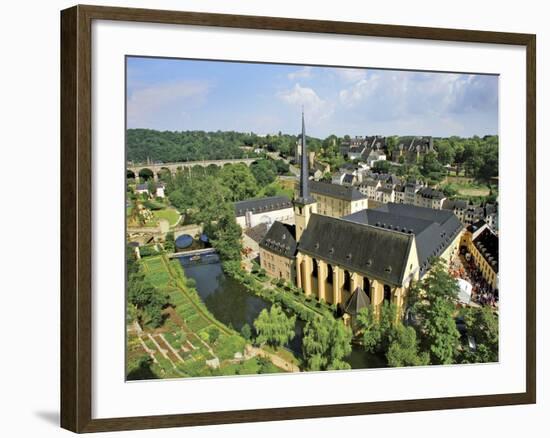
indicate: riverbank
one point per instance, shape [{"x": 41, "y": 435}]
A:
[
  {"x": 191, "y": 342},
  {"x": 293, "y": 300},
  {"x": 288, "y": 296}
]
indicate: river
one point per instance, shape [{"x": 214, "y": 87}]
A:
[{"x": 232, "y": 304}]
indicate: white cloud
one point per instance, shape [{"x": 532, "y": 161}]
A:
[
  {"x": 404, "y": 94},
  {"x": 316, "y": 108},
  {"x": 303, "y": 73},
  {"x": 360, "y": 91},
  {"x": 147, "y": 104},
  {"x": 351, "y": 74}
]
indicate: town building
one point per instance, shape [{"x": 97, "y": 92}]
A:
[
  {"x": 360, "y": 148},
  {"x": 142, "y": 189},
  {"x": 410, "y": 190},
  {"x": 159, "y": 190},
  {"x": 412, "y": 149},
  {"x": 252, "y": 238},
  {"x": 336, "y": 200},
  {"x": 430, "y": 198},
  {"x": 385, "y": 194},
  {"x": 369, "y": 188},
  {"x": 458, "y": 207},
  {"x": 482, "y": 245},
  {"x": 251, "y": 212},
  {"x": 278, "y": 252},
  {"x": 374, "y": 156},
  {"x": 399, "y": 194}
]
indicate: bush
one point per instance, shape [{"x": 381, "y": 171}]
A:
[
  {"x": 153, "y": 205},
  {"x": 213, "y": 334},
  {"x": 147, "y": 251}
]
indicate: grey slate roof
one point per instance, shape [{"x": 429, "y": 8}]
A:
[
  {"x": 428, "y": 192},
  {"x": 366, "y": 249},
  {"x": 261, "y": 205},
  {"x": 487, "y": 245},
  {"x": 449, "y": 204},
  {"x": 387, "y": 190},
  {"x": 280, "y": 239},
  {"x": 357, "y": 301},
  {"x": 258, "y": 232},
  {"x": 348, "y": 178},
  {"x": 370, "y": 183},
  {"x": 335, "y": 191},
  {"x": 434, "y": 229}
]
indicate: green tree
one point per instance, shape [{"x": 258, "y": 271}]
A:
[
  {"x": 326, "y": 343},
  {"x": 225, "y": 234},
  {"x": 264, "y": 171},
  {"x": 274, "y": 327},
  {"x": 432, "y": 168},
  {"x": 445, "y": 151},
  {"x": 239, "y": 181},
  {"x": 246, "y": 332},
  {"x": 482, "y": 325},
  {"x": 270, "y": 191},
  {"x": 377, "y": 331},
  {"x": 391, "y": 144},
  {"x": 147, "y": 300},
  {"x": 403, "y": 350},
  {"x": 213, "y": 334},
  {"x": 382, "y": 166},
  {"x": 369, "y": 328},
  {"x": 434, "y": 303},
  {"x": 169, "y": 242}
]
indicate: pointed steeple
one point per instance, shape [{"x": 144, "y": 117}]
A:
[
  {"x": 304, "y": 204},
  {"x": 304, "y": 168}
]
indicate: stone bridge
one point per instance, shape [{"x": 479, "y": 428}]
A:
[{"x": 174, "y": 167}]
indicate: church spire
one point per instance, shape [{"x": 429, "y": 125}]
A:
[
  {"x": 304, "y": 204},
  {"x": 304, "y": 172}
]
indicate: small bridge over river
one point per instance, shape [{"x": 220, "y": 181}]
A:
[
  {"x": 134, "y": 170},
  {"x": 197, "y": 256}
]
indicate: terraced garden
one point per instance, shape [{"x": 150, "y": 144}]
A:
[{"x": 191, "y": 342}]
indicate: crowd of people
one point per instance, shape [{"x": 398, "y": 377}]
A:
[{"x": 482, "y": 291}]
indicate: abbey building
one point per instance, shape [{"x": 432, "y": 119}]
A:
[{"x": 357, "y": 257}]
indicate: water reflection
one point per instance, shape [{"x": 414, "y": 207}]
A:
[{"x": 233, "y": 305}]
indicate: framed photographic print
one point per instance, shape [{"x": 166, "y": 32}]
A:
[{"x": 268, "y": 218}]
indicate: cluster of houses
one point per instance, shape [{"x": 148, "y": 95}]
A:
[
  {"x": 373, "y": 148},
  {"x": 384, "y": 188},
  {"x": 158, "y": 189}
]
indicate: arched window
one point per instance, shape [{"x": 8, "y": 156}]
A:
[
  {"x": 387, "y": 294},
  {"x": 366, "y": 286},
  {"x": 329, "y": 274},
  {"x": 347, "y": 280},
  {"x": 315, "y": 270}
]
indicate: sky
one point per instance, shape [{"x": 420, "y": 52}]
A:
[{"x": 181, "y": 95}]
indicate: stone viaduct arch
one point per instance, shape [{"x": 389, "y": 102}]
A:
[{"x": 136, "y": 169}]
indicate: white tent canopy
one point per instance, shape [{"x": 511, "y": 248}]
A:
[{"x": 465, "y": 291}]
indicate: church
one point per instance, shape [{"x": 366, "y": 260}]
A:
[{"x": 365, "y": 258}]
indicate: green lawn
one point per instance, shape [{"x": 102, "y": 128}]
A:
[{"x": 170, "y": 214}]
